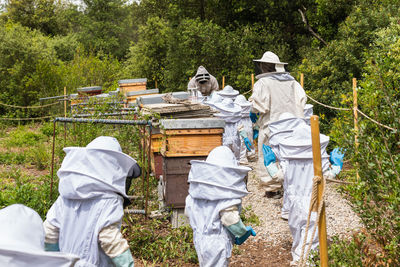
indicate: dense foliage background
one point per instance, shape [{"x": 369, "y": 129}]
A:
[{"x": 46, "y": 45}]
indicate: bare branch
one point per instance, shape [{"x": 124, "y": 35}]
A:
[{"x": 303, "y": 16}]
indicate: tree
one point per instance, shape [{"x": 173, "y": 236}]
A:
[{"x": 106, "y": 27}]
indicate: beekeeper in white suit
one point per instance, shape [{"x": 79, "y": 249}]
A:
[
  {"x": 86, "y": 218},
  {"x": 275, "y": 92},
  {"x": 296, "y": 152},
  {"x": 213, "y": 206},
  {"x": 204, "y": 82},
  {"x": 22, "y": 240},
  {"x": 231, "y": 113}
]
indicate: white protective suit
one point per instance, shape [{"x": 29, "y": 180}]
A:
[
  {"x": 280, "y": 130},
  {"x": 231, "y": 114},
  {"x": 22, "y": 240},
  {"x": 205, "y": 88},
  {"x": 296, "y": 151},
  {"x": 88, "y": 213},
  {"x": 273, "y": 94},
  {"x": 247, "y": 125},
  {"x": 216, "y": 185}
]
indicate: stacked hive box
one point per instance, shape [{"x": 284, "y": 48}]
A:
[
  {"x": 83, "y": 95},
  {"x": 183, "y": 140},
  {"x": 134, "y": 88}
]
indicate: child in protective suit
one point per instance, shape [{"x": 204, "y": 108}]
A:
[
  {"x": 213, "y": 206},
  {"x": 86, "y": 218},
  {"x": 294, "y": 152}
]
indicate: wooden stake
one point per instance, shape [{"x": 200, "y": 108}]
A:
[
  {"x": 355, "y": 113},
  {"x": 252, "y": 81},
  {"x": 302, "y": 79},
  {"x": 223, "y": 82},
  {"x": 316, "y": 148}
]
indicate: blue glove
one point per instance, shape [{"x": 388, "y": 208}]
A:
[
  {"x": 255, "y": 134},
  {"x": 269, "y": 155},
  {"x": 253, "y": 117},
  {"x": 247, "y": 143},
  {"x": 240, "y": 240},
  {"x": 336, "y": 157}
]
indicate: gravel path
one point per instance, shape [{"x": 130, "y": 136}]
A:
[{"x": 273, "y": 240}]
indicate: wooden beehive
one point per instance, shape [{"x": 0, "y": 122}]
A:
[
  {"x": 132, "y": 85},
  {"x": 175, "y": 175},
  {"x": 133, "y": 95},
  {"x": 183, "y": 140},
  {"x": 191, "y": 137},
  {"x": 89, "y": 91}
]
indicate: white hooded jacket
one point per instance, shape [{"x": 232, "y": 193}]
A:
[
  {"x": 296, "y": 151},
  {"x": 206, "y": 88},
  {"x": 213, "y": 188},
  {"x": 92, "y": 186},
  {"x": 22, "y": 240}
]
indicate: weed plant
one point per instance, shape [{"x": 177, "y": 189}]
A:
[{"x": 157, "y": 241}]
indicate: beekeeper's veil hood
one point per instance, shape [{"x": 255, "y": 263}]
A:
[
  {"x": 22, "y": 240},
  {"x": 269, "y": 57},
  {"x": 202, "y": 75},
  {"x": 99, "y": 169},
  {"x": 218, "y": 177}
]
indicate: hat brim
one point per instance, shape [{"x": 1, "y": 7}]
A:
[
  {"x": 39, "y": 253},
  {"x": 224, "y": 108},
  {"x": 234, "y": 93},
  {"x": 273, "y": 62},
  {"x": 116, "y": 153}
]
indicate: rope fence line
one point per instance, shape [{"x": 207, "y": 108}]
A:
[
  {"x": 349, "y": 109},
  {"x": 327, "y": 106},
  {"x": 376, "y": 122},
  {"x": 28, "y": 119},
  {"x": 27, "y": 107}
]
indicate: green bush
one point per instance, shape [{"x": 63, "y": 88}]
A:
[{"x": 376, "y": 196}]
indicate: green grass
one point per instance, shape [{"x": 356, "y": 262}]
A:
[
  {"x": 22, "y": 137},
  {"x": 22, "y": 190},
  {"x": 10, "y": 158}
]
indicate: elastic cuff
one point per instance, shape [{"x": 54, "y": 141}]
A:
[
  {"x": 238, "y": 229},
  {"x": 272, "y": 169},
  {"x": 51, "y": 247},
  {"x": 335, "y": 169},
  {"x": 124, "y": 260}
]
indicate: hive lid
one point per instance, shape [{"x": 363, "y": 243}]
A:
[
  {"x": 89, "y": 89},
  {"x": 198, "y": 123},
  {"x": 143, "y": 92},
  {"x": 139, "y": 80},
  {"x": 156, "y": 99}
]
